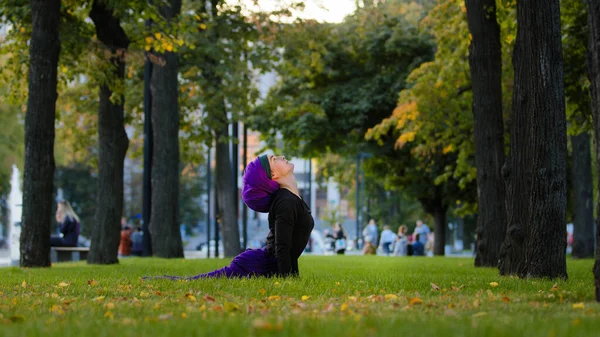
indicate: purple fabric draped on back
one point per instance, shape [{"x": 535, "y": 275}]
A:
[{"x": 258, "y": 190}]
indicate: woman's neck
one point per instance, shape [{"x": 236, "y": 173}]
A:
[{"x": 289, "y": 183}]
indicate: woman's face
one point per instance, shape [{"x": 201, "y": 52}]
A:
[
  {"x": 280, "y": 167},
  {"x": 59, "y": 209}
]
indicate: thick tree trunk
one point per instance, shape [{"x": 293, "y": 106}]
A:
[
  {"x": 594, "y": 71},
  {"x": 436, "y": 207},
  {"x": 113, "y": 143},
  {"x": 225, "y": 193},
  {"x": 538, "y": 153},
  {"x": 440, "y": 225},
  {"x": 486, "y": 74},
  {"x": 583, "y": 201},
  {"x": 164, "y": 216},
  {"x": 38, "y": 173}
]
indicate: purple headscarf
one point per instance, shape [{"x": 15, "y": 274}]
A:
[{"x": 258, "y": 190}]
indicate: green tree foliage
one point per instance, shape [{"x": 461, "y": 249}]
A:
[
  {"x": 433, "y": 119},
  {"x": 11, "y": 138},
  {"x": 338, "y": 80}
]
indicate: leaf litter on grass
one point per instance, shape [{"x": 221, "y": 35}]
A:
[{"x": 369, "y": 294}]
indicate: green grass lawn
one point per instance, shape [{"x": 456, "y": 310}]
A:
[{"x": 335, "y": 296}]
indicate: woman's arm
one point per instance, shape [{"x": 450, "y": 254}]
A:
[
  {"x": 285, "y": 215},
  {"x": 68, "y": 226}
]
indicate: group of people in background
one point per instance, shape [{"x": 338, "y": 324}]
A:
[
  {"x": 398, "y": 244},
  {"x": 419, "y": 243},
  {"x": 131, "y": 243}
]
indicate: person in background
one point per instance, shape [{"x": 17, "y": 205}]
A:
[
  {"x": 430, "y": 245},
  {"x": 401, "y": 243},
  {"x": 125, "y": 243},
  {"x": 369, "y": 248},
  {"x": 418, "y": 246},
  {"x": 371, "y": 231},
  {"x": 387, "y": 240},
  {"x": 422, "y": 229},
  {"x": 137, "y": 239},
  {"x": 340, "y": 239},
  {"x": 68, "y": 223}
]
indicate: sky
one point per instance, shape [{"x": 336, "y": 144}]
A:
[{"x": 321, "y": 10}]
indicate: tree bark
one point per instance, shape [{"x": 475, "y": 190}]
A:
[
  {"x": 537, "y": 194},
  {"x": 226, "y": 195},
  {"x": 583, "y": 212},
  {"x": 436, "y": 207},
  {"x": 440, "y": 225},
  {"x": 224, "y": 178},
  {"x": 38, "y": 172},
  {"x": 485, "y": 60},
  {"x": 164, "y": 216},
  {"x": 113, "y": 142},
  {"x": 594, "y": 71}
]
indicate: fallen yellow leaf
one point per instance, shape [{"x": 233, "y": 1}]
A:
[
  {"x": 415, "y": 300},
  {"x": 63, "y": 284},
  {"x": 144, "y": 294},
  {"x": 92, "y": 283},
  {"x": 109, "y": 315},
  {"x": 274, "y": 298},
  {"x": 344, "y": 307},
  {"x": 579, "y": 305},
  {"x": 390, "y": 297},
  {"x": 23, "y": 284},
  {"x": 304, "y": 297},
  {"x": 262, "y": 291},
  {"x": 109, "y": 305},
  {"x": 190, "y": 297},
  {"x": 183, "y": 315},
  {"x": 479, "y": 314},
  {"x": 98, "y": 299},
  {"x": 230, "y": 306},
  {"x": 494, "y": 284},
  {"x": 261, "y": 324}
]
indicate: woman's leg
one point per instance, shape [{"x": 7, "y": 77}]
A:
[
  {"x": 252, "y": 262},
  {"x": 56, "y": 241}
]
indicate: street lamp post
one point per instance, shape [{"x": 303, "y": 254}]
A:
[{"x": 359, "y": 157}]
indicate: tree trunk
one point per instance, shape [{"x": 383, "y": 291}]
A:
[
  {"x": 485, "y": 60},
  {"x": 594, "y": 71},
  {"x": 583, "y": 212},
  {"x": 436, "y": 207},
  {"x": 225, "y": 193},
  {"x": 538, "y": 152},
  {"x": 38, "y": 172},
  {"x": 440, "y": 225},
  {"x": 113, "y": 142},
  {"x": 164, "y": 215}
]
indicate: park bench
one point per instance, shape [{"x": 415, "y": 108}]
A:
[{"x": 62, "y": 254}]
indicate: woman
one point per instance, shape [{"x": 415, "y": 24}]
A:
[
  {"x": 270, "y": 187},
  {"x": 401, "y": 243},
  {"x": 68, "y": 223},
  {"x": 340, "y": 239}
]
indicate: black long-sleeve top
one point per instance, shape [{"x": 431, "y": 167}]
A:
[
  {"x": 70, "y": 230},
  {"x": 290, "y": 225}
]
